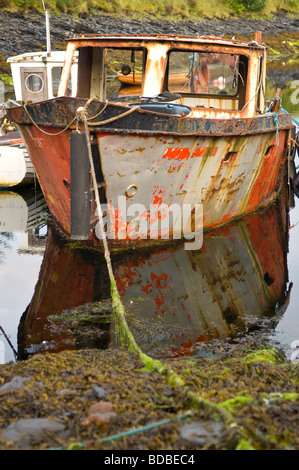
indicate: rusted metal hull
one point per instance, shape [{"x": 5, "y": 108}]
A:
[
  {"x": 180, "y": 298},
  {"x": 228, "y": 166},
  {"x": 192, "y": 170}
]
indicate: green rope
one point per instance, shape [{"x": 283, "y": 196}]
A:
[
  {"x": 147, "y": 427},
  {"x": 275, "y": 119},
  {"x": 124, "y": 334},
  {"x": 122, "y": 330}
]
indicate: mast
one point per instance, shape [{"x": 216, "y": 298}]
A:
[{"x": 48, "y": 36}]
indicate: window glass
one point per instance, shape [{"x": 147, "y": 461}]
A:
[
  {"x": 56, "y": 74},
  {"x": 34, "y": 83},
  {"x": 124, "y": 72},
  {"x": 203, "y": 73}
]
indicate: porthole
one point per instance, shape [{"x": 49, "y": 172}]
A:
[
  {"x": 34, "y": 83},
  {"x": 229, "y": 158},
  {"x": 269, "y": 151}
]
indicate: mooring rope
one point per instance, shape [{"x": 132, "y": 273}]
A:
[
  {"x": 106, "y": 121},
  {"x": 78, "y": 117},
  {"x": 116, "y": 301},
  {"x": 119, "y": 310},
  {"x": 42, "y": 130},
  {"x": 122, "y": 330}
]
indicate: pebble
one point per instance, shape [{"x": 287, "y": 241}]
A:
[
  {"x": 200, "y": 432},
  {"x": 101, "y": 413},
  {"x": 16, "y": 383},
  {"x": 98, "y": 391},
  {"x": 25, "y": 431}
]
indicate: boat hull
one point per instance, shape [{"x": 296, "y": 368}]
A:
[{"x": 224, "y": 172}]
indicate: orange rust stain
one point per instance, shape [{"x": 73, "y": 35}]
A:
[
  {"x": 186, "y": 349},
  {"x": 57, "y": 149},
  {"x": 268, "y": 174},
  {"x": 229, "y": 215},
  {"x": 103, "y": 134},
  {"x": 126, "y": 279},
  {"x": 139, "y": 149},
  {"x": 120, "y": 223},
  {"x": 268, "y": 242},
  {"x": 176, "y": 153},
  {"x": 184, "y": 153},
  {"x": 204, "y": 152},
  {"x": 157, "y": 200},
  {"x": 159, "y": 299},
  {"x": 146, "y": 289},
  {"x": 172, "y": 168}
]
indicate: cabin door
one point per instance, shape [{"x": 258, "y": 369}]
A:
[{"x": 34, "y": 84}]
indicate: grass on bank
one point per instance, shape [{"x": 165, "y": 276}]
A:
[{"x": 171, "y": 10}]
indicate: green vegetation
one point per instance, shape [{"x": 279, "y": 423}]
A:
[
  {"x": 6, "y": 79},
  {"x": 168, "y": 9},
  {"x": 234, "y": 404}
]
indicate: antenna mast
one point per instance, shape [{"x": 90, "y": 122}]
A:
[{"x": 47, "y": 15}]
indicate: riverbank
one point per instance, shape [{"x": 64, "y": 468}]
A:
[
  {"x": 25, "y": 32},
  {"x": 245, "y": 398}
]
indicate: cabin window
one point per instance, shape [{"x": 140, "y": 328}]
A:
[
  {"x": 111, "y": 73},
  {"x": 56, "y": 74},
  {"x": 124, "y": 73},
  {"x": 203, "y": 73}
]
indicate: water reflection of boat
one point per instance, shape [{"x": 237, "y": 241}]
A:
[
  {"x": 26, "y": 212},
  {"x": 177, "y": 297}
]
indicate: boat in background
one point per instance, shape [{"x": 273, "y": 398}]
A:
[
  {"x": 212, "y": 142},
  {"x": 15, "y": 165},
  {"x": 36, "y": 77},
  {"x": 25, "y": 211},
  {"x": 128, "y": 78}
]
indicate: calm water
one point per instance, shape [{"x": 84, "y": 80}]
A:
[{"x": 245, "y": 278}]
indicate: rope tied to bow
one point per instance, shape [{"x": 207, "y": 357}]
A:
[{"x": 82, "y": 116}]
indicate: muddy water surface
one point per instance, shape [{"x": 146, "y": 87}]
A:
[{"x": 243, "y": 281}]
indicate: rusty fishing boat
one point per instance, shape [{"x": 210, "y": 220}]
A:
[{"x": 145, "y": 156}]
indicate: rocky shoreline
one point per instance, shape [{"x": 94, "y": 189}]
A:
[
  {"x": 22, "y": 32},
  {"x": 244, "y": 399}
]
